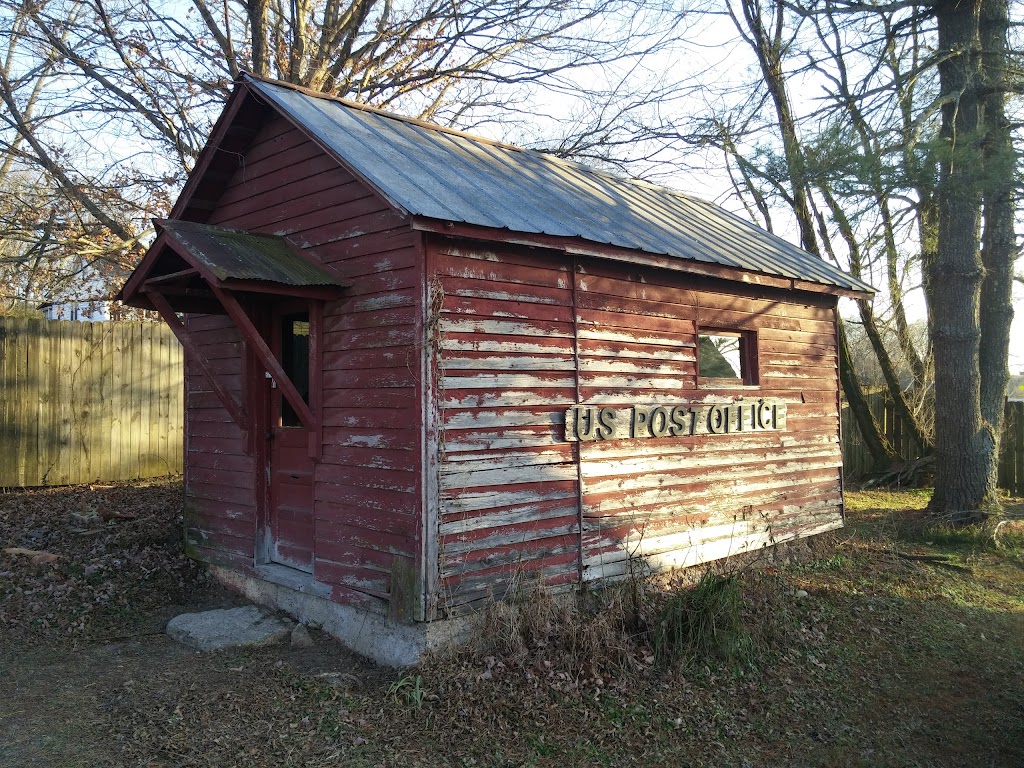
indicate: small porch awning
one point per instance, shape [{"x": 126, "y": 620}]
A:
[
  {"x": 188, "y": 262},
  {"x": 198, "y": 268}
]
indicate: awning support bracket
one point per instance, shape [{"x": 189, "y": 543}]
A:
[
  {"x": 266, "y": 356},
  {"x": 235, "y": 409}
]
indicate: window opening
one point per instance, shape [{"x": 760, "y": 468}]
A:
[
  {"x": 728, "y": 357},
  {"x": 295, "y": 362}
]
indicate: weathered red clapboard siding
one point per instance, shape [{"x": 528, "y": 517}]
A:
[
  {"x": 368, "y": 504},
  {"x": 505, "y": 359},
  {"x": 687, "y": 500},
  {"x": 367, "y": 494},
  {"x": 221, "y": 507},
  {"x": 509, "y": 491}
]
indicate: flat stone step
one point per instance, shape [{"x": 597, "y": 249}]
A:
[{"x": 249, "y": 626}]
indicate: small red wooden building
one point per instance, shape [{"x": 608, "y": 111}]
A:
[{"x": 421, "y": 364}]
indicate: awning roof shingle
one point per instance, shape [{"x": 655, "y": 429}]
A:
[{"x": 232, "y": 255}]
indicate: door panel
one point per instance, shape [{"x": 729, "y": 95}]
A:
[{"x": 291, "y": 469}]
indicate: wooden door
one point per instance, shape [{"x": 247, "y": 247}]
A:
[{"x": 290, "y": 469}]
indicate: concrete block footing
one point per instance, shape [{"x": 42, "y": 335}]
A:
[
  {"x": 225, "y": 628},
  {"x": 369, "y": 634}
]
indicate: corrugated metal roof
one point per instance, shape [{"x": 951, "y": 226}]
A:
[
  {"x": 437, "y": 173},
  {"x": 232, "y": 255}
]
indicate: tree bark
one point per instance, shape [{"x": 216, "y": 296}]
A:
[
  {"x": 928, "y": 236},
  {"x": 258, "y": 17},
  {"x": 999, "y": 241},
  {"x": 964, "y": 443},
  {"x": 882, "y": 454}
]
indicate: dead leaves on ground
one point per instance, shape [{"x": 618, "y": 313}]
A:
[
  {"x": 35, "y": 556},
  {"x": 90, "y": 561}
]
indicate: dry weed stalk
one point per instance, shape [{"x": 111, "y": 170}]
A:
[{"x": 629, "y": 625}]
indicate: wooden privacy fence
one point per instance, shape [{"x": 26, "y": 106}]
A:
[
  {"x": 1011, "y": 455},
  {"x": 857, "y": 458},
  {"x": 85, "y": 402}
]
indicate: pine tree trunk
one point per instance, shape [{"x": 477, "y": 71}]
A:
[
  {"x": 964, "y": 443},
  {"x": 998, "y": 246}
]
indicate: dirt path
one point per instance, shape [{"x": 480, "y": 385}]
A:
[
  {"x": 85, "y": 705},
  {"x": 59, "y": 699},
  {"x": 84, "y": 665}
]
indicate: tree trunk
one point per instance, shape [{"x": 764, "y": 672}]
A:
[
  {"x": 768, "y": 46},
  {"x": 892, "y": 382},
  {"x": 258, "y": 21},
  {"x": 882, "y": 454},
  {"x": 899, "y": 313},
  {"x": 928, "y": 236},
  {"x": 998, "y": 246},
  {"x": 964, "y": 443}
]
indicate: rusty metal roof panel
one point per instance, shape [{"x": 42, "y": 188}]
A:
[
  {"x": 437, "y": 173},
  {"x": 233, "y": 255}
]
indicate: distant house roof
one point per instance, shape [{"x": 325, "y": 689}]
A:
[
  {"x": 433, "y": 172},
  {"x": 1015, "y": 389},
  {"x": 232, "y": 255}
]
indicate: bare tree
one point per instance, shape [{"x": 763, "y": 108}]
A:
[
  {"x": 878, "y": 175},
  {"x": 958, "y": 164},
  {"x": 762, "y": 25},
  {"x": 108, "y": 102}
]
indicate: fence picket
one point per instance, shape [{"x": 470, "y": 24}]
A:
[{"x": 81, "y": 402}]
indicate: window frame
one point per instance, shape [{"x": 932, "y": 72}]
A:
[
  {"x": 750, "y": 371},
  {"x": 286, "y": 416}
]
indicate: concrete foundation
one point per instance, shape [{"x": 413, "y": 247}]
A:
[{"x": 368, "y": 634}]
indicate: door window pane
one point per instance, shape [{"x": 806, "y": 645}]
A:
[{"x": 295, "y": 361}]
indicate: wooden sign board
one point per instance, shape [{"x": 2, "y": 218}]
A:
[{"x": 588, "y": 423}]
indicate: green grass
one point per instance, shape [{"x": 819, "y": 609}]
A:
[{"x": 703, "y": 624}]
